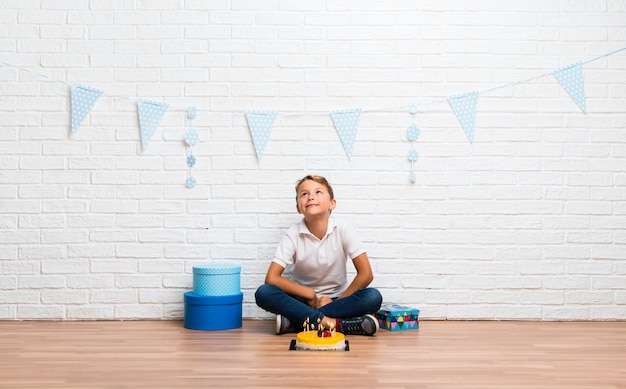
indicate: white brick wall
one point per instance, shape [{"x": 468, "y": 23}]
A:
[{"x": 526, "y": 223}]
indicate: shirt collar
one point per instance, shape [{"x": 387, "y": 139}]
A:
[{"x": 304, "y": 230}]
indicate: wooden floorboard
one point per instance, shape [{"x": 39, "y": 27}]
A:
[{"x": 454, "y": 354}]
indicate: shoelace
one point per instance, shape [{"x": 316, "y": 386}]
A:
[{"x": 353, "y": 327}]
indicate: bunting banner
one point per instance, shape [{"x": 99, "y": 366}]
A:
[
  {"x": 150, "y": 114},
  {"x": 260, "y": 123},
  {"x": 464, "y": 107},
  {"x": 347, "y": 124},
  {"x": 571, "y": 79},
  {"x": 83, "y": 99}
]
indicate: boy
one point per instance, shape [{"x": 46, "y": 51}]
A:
[{"x": 315, "y": 250}]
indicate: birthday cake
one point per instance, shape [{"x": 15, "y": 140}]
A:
[{"x": 321, "y": 339}]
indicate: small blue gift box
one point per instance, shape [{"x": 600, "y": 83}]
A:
[
  {"x": 213, "y": 312},
  {"x": 216, "y": 280}
]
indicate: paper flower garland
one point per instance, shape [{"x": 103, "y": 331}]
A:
[
  {"x": 191, "y": 138},
  {"x": 412, "y": 134}
]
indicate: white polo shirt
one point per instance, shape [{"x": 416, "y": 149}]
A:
[{"x": 319, "y": 264}]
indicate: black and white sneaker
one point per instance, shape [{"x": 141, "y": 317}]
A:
[
  {"x": 362, "y": 325},
  {"x": 283, "y": 325}
]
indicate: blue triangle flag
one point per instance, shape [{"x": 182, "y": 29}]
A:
[
  {"x": 83, "y": 98},
  {"x": 464, "y": 107},
  {"x": 150, "y": 114},
  {"x": 571, "y": 79},
  {"x": 347, "y": 125},
  {"x": 260, "y": 123}
]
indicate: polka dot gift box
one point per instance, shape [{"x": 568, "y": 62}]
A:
[
  {"x": 216, "y": 279},
  {"x": 395, "y": 317}
]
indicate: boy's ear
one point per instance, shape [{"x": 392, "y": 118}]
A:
[
  {"x": 333, "y": 204},
  {"x": 298, "y": 208}
]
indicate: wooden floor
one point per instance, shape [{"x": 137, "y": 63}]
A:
[{"x": 453, "y": 354}]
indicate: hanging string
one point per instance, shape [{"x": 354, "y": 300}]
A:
[
  {"x": 326, "y": 113},
  {"x": 604, "y": 55}
]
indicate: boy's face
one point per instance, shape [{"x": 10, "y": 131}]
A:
[{"x": 314, "y": 199}]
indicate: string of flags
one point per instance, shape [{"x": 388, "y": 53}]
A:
[
  {"x": 571, "y": 79},
  {"x": 346, "y": 122},
  {"x": 464, "y": 107},
  {"x": 150, "y": 114},
  {"x": 260, "y": 124},
  {"x": 83, "y": 99},
  {"x": 347, "y": 125}
]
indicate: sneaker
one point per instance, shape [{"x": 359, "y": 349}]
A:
[
  {"x": 362, "y": 325},
  {"x": 283, "y": 325}
]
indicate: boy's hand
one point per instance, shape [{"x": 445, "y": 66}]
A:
[
  {"x": 323, "y": 300},
  {"x": 318, "y": 302},
  {"x": 313, "y": 300}
]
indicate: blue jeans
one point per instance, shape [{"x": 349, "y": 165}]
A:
[{"x": 273, "y": 299}]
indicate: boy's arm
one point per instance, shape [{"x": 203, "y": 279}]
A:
[
  {"x": 364, "y": 275},
  {"x": 275, "y": 277}
]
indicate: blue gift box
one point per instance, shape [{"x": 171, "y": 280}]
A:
[
  {"x": 213, "y": 312},
  {"x": 216, "y": 280},
  {"x": 395, "y": 317}
]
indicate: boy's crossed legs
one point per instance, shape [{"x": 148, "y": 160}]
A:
[{"x": 351, "y": 315}]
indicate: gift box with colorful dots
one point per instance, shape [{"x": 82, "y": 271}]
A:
[{"x": 395, "y": 317}]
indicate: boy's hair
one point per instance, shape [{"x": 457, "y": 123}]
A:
[{"x": 319, "y": 180}]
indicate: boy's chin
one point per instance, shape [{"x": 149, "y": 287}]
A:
[{"x": 316, "y": 214}]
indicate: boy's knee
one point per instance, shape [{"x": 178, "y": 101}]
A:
[
  {"x": 375, "y": 297},
  {"x": 260, "y": 291},
  {"x": 263, "y": 291},
  {"x": 379, "y": 296}
]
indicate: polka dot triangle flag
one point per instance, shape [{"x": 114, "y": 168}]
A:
[
  {"x": 464, "y": 107},
  {"x": 571, "y": 79},
  {"x": 150, "y": 114},
  {"x": 83, "y": 99},
  {"x": 347, "y": 124},
  {"x": 260, "y": 123}
]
